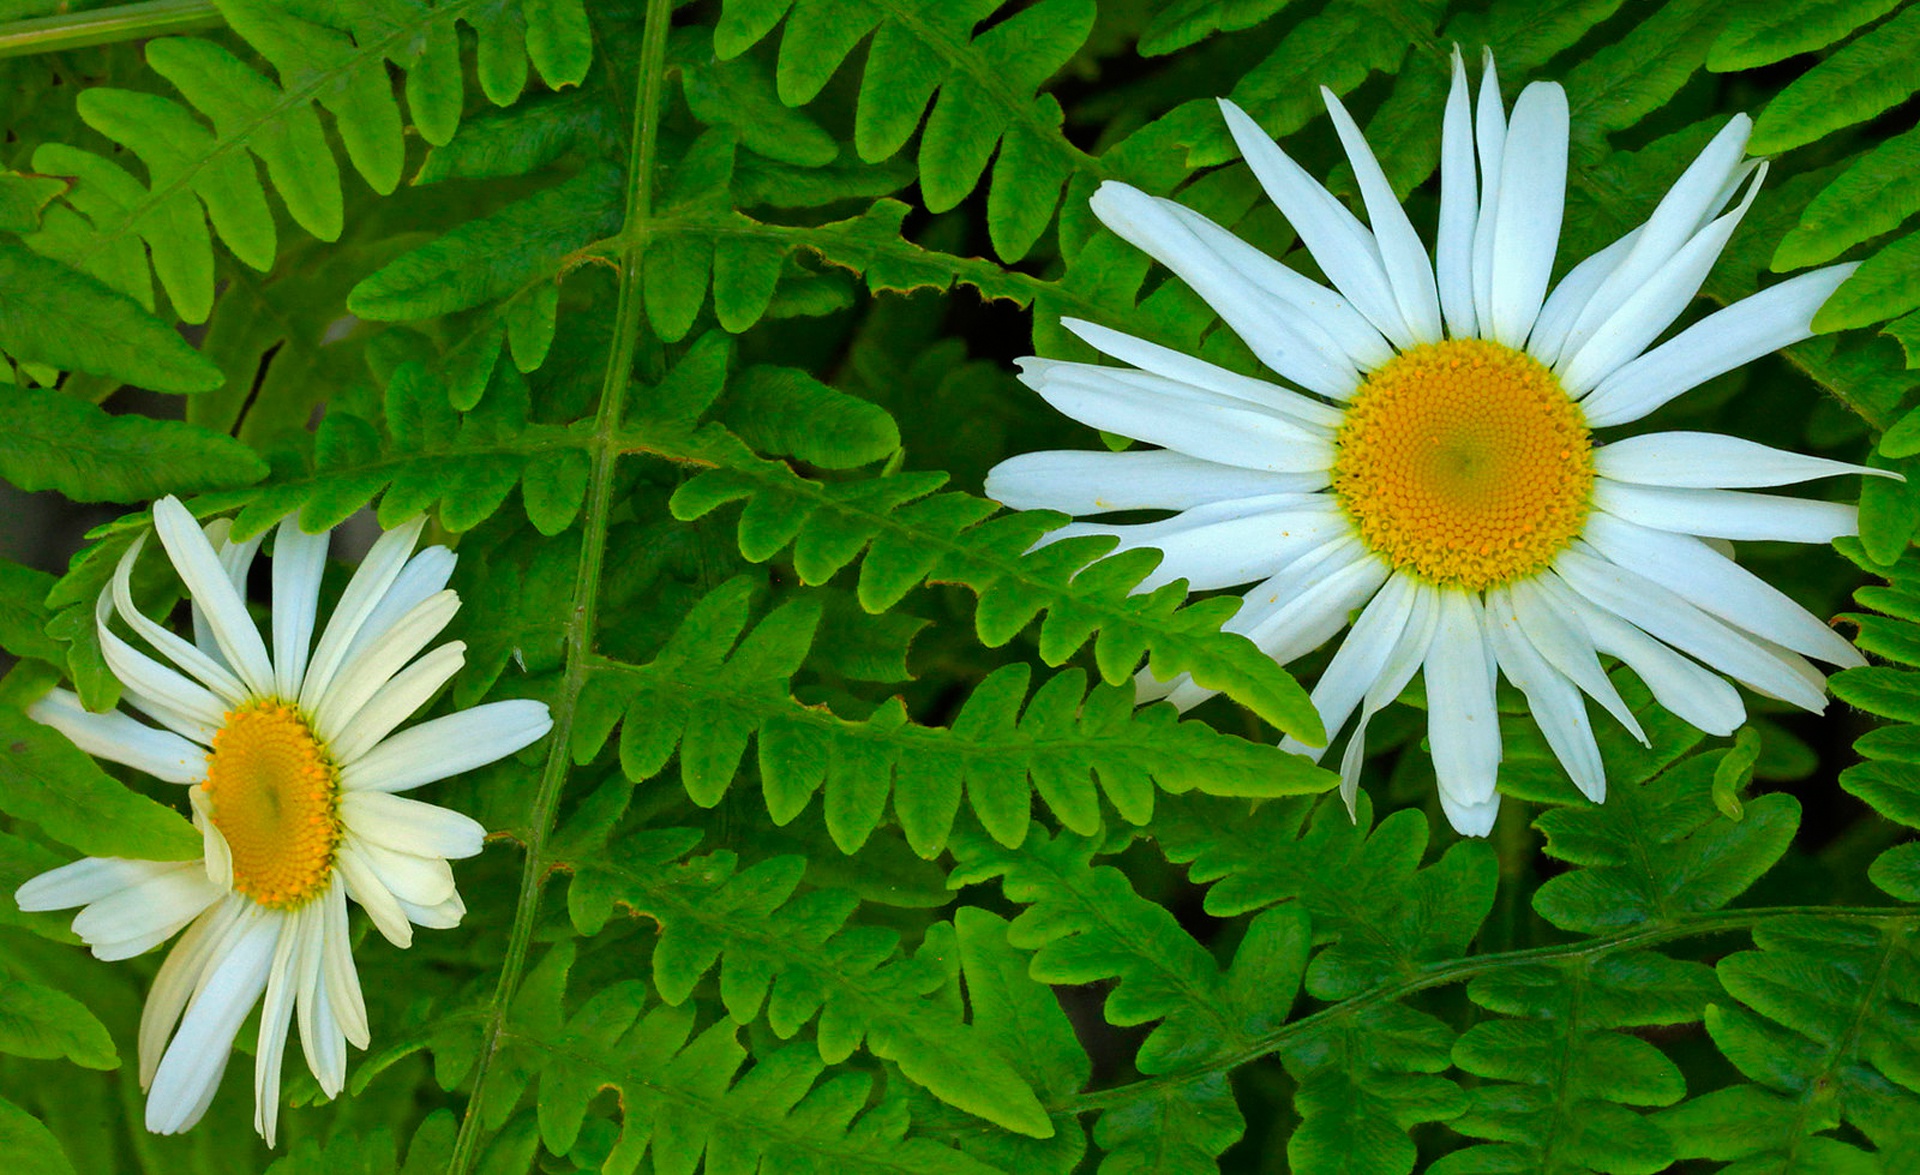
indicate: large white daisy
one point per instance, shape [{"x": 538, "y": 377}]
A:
[
  {"x": 1440, "y": 470},
  {"x": 293, "y": 769}
]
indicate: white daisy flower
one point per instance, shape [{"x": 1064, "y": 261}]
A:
[
  {"x": 293, "y": 769},
  {"x": 1440, "y": 470}
]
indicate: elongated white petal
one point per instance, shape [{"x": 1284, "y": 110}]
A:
[
  {"x": 299, "y": 559},
  {"x": 187, "y": 1074},
  {"x": 396, "y": 701},
  {"x": 1227, "y": 543},
  {"x": 409, "y": 826},
  {"x": 1727, "y": 514},
  {"x": 1693, "y": 200},
  {"x": 283, "y": 979},
  {"x": 364, "y": 886},
  {"x": 1553, "y": 700},
  {"x": 1705, "y": 460},
  {"x": 1533, "y": 189},
  {"x": 1566, "y": 645},
  {"x": 1345, "y": 251},
  {"x": 1408, "y": 655},
  {"x": 1322, "y": 315},
  {"x": 119, "y": 738},
  {"x": 211, "y": 673},
  {"x": 447, "y": 746},
  {"x": 1717, "y": 585},
  {"x": 177, "y": 980},
  {"x": 325, "y": 1043},
  {"x": 1093, "y": 482},
  {"x": 342, "y": 981},
  {"x": 1571, "y": 296},
  {"x": 424, "y": 881},
  {"x": 424, "y": 576},
  {"x": 1273, "y": 330},
  {"x": 1459, "y": 208},
  {"x": 1699, "y": 697},
  {"x": 1463, "y": 727},
  {"x": 178, "y": 693},
  {"x": 1652, "y": 307},
  {"x": 1358, "y": 661},
  {"x": 1490, "y": 137},
  {"x": 218, "y": 856},
  {"x": 194, "y": 729},
  {"x": 207, "y": 581},
  {"x": 362, "y": 675},
  {"x": 1197, "y": 373},
  {"x": 1648, "y": 606},
  {"x": 365, "y": 591},
  {"x": 1409, "y": 271},
  {"x": 1754, "y": 326},
  {"x": 236, "y": 559},
  {"x": 79, "y": 883},
  {"x": 1175, "y": 418},
  {"x": 439, "y": 916},
  {"x": 140, "y": 917}
]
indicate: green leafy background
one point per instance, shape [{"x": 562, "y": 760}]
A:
[{"x": 689, "y": 325}]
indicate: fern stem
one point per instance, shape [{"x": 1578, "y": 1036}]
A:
[
  {"x": 106, "y": 26},
  {"x": 1460, "y": 970},
  {"x": 606, "y": 453}
]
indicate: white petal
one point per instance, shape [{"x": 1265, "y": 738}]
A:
[
  {"x": 397, "y": 701},
  {"x": 117, "y": 737},
  {"x": 1645, "y": 604},
  {"x": 1092, "y": 482},
  {"x": 363, "y": 673},
  {"x": 184, "y": 1081},
  {"x": 1553, "y": 700},
  {"x": 1653, "y": 305},
  {"x": 177, "y": 980},
  {"x": 144, "y": 915},
  {"x": 1754, "y": 326},
  {"x": 409, "y": 826},
  {"x": 79, "y": 883},
  {"x": 342, "y": 981},
  {"x": 1727, "y": 514},
  {"x": 218, "y": 856},
  {"x": 364, "y": 886},
  {"x": 208, "y": 583},
  {"x": 1459, "y": 208},
  {"x": 447, "y": 746},
  {"x": 1533, "y": 189},
  {"x": 1345, "y": 251},
  {"x": 299, "y": 560},
  {"x": 1270, "y": 328},
  {"x": 290, "y": 962},
  {"x": 1571, "y": 296},
  {"x": 1564, "y": 642},
  {"x": 1409, "y": 653},
  {"x": 424, "y": 881},
  {"x": 177, "y": 693},
  {"x": 1409, "y": 272},
  {"x": 1358, "y": 662},
  {"x": 324, "y": 1043},
  {"x": 1180, "y": 368},
  {"x": 1177, "y": 417},
  {"x": 425, "y": 575},
  {"x": 213, "y": 674},
  {"x": 1227, "y": 543},
  {"x": 369, "y": 585},
  {"x": 236, "y": 559},
  {"x": 1705, "y": 460},
  {"x": 188, "y": 726},
  {"x": 1470, "y": 819},
  {"x": 1695, "y": 198},
  {"x": 1717, "y": 585},
  {"x": 441, "y": 916},
  {"x": 1490, "y": 137},
  {"x": 1463, "y": 728},
  {"x": 1695, "y": 695}
]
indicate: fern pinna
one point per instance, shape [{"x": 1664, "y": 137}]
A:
[{"x": 689, "y": 329}]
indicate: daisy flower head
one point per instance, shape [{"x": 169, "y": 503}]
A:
[
  {"x": 289, "y": 753},
  {"x": 1436, "y": 465}
]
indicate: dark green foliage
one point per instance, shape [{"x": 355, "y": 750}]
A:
[{"x": 688, "y": 327}]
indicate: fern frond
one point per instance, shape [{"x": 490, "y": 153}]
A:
[
  {"x": 1892, "y": 694},
  {"x": 708, "y": 696},
  {"x": 792, "y": 956}
]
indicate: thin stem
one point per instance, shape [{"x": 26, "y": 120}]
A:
[
  {"x": 106, "y": 26},
  {"x": 606, "y": 451}
]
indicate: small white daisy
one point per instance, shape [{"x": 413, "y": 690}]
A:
[
  {"x": 293, "y": 768},
  {"x": 1440, "y": 473}
]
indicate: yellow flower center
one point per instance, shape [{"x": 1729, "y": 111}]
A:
[
  {"x": 1464, "y": 463},
  {"x": 273, "y": 795}
]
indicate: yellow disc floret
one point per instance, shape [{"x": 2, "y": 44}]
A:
[
  {"x": 273, "y": 795},
  {"x": 1465, "y": 463}
]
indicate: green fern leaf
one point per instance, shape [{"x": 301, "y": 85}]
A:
[
  {"x": 1876, "y": 71},
  {"x": 61, "y": 443},
  {"x": 1871, "y": 197},
  {"x": 46, "y": 779},
  {"x": 51, "y": 314},
  {"x": 41, "y": 1023},
  {"x": 1761, "y": 36}
]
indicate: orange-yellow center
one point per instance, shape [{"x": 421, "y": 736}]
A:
[
  {"x": 273, "y": 795},
  {"x": 1465, "y": 463}
]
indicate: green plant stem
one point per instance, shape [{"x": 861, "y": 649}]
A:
[
  {"x": 106, "y": 26},
  {"x": 1461, "y": 970},
  {"x": 606, "y": 451}
]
